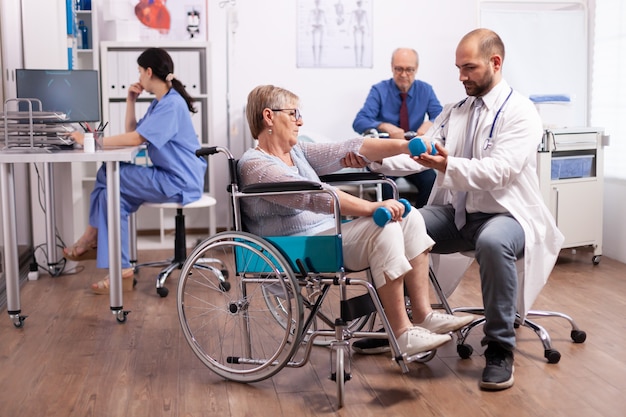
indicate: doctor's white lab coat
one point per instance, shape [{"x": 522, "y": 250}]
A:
[{"x": 502, "y": 172}]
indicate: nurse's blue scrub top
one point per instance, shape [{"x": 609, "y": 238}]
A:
[{"x": 172, "y": 143}]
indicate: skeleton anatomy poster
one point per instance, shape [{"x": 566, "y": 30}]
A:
[{"x": 334, "y": 33}]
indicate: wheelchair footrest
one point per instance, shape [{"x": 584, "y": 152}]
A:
[{"x": 356, "y": 307}]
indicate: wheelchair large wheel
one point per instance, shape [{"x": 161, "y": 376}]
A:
[{"x": 233, "y": 331}]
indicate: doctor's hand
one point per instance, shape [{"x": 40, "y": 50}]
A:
[{"x": 438, "y": 162}]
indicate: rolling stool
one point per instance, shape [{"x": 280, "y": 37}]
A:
[{"x": 180, "y": 244}]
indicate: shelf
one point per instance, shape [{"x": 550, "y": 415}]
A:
[
  {"x": 86, "y": 58},
  {"x": 574, "y": 180}
]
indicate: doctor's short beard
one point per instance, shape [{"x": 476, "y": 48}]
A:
[{"x": 480, "y": 87}]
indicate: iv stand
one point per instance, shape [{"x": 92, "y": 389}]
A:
[{"x": 223, "y": 4}]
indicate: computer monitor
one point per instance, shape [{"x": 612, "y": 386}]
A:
[{"x": 73, "y": 92}]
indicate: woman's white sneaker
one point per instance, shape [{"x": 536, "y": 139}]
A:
[
  {"x": 444, "y": 323},
  {"x": 417, "y": 340}
]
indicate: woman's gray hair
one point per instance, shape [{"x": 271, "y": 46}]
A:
[{"x": 265, "y": 97}]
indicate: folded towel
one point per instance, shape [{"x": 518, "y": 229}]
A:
[{"x": 547, "y": 98}]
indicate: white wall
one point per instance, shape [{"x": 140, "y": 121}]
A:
[
  {"x": 614, "y": 229},
  {"x": 262, "y": 50}
]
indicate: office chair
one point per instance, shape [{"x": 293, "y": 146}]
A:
[
  {"x": 465, "y": 350},
  {"x": 180, "y": 243}
]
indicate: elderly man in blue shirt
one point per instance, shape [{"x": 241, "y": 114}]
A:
[{"x": 398, "y": 106}]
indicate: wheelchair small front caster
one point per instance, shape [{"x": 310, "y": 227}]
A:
[{"x": 464, "y": 351}]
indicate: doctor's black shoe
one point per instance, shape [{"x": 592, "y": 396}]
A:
[
  {"x": 498, "y": 372},
  {"x": 371, "y": 346}
]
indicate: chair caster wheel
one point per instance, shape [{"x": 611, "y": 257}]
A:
[
  {"x": 120, "y": 315},
  {"x": 578, "y": 336},
  {"x": 552, "y": 355},
  {"x": 464, "y": 351},
  {"x": 225, "y": 286},
  {"x": 162, "y": 291},
  {"x": 18, "y": 321}
]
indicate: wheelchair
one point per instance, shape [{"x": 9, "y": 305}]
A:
[{"x": 274, "y": 298}]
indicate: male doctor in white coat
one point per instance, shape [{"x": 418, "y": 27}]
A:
[{"x": 486, "y": 196}]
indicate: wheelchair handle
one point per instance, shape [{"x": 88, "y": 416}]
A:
[
  {"x": 382, "y": 215},
  {"x": 211, "y": 150},
  {"x": 418, "y": 147}
]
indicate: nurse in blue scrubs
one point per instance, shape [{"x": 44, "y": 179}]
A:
[{"x": 175, "y": 175}]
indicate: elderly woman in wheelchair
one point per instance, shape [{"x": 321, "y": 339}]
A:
[{"x": 397, "y": 254}]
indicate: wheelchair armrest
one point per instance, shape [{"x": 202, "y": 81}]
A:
[
  {"x": 352, "y": 176},
  {"x": 359, "y": 178},
  {"x": 273, "y": 187}
]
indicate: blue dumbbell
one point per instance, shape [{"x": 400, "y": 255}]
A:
[
  {"x": 382, "y": 215},
  {"x": 418, "y": 147}
]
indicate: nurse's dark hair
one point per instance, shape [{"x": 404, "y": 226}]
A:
[{"x": 161, "y": 63}]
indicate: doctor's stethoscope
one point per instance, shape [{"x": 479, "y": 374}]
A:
[{"x": 488, "y": 142}]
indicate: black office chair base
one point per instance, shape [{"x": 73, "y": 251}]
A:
[
  {"x": 465, "y": 350},
  {"x": 180, "y": 255},
  {"x": 552, "y": 355}
]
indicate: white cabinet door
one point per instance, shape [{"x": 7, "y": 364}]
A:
[
  {"x": 10, "y": 46},
  {"x": 577, "y": 208},
  {"x": 45, "y": 34}
]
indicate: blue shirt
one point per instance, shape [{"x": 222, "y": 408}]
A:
[
  {"x": 172, "y": 143},
  {"x": 383, "y": 106}
]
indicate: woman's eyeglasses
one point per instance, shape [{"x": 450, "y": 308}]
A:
[{"x": 295, "y": 113}]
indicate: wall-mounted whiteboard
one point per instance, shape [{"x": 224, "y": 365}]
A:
[{"x": 546, "y": 54}]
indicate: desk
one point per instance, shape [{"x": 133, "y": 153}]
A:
[{"x": 112, "y": 157}]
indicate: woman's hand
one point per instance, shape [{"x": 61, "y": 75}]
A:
[
  {"x": 79, "y": 137},
  {"x": 395, "y": 207},
  {"x": 134, "y": 91},
  {"x": 353, "y": 160}
]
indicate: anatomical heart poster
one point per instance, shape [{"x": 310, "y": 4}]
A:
[{"x": 147, "y": 20}]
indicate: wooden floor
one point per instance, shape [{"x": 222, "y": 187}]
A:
[{"x": 72, "y": 358}]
